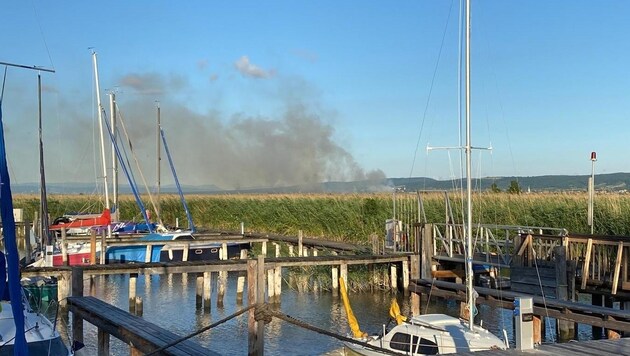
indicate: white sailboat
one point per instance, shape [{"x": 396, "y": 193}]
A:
[{"x": 434, "y": 334}]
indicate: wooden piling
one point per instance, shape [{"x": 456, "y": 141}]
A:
[
  {"x": 405, "y": 272},
  {"x": 314, "y": 252},
  {"x": 64, "y": 247},
  {"x": 64, "y": 288},
  {"x": 255, "y": 294},
  {"x": 240, "y": 282},
  {"x": 291, "y": 253},
  {"x": 539, "y": 329},
  {"x": 221, "y": 285},
  {"x": 207, "y": 291},
  {"x": 598, "y": 300},
  {"x": 394, "y": 277},
  {"x": 28, "y": 251},
  {"x": 103, "y": 247},
  {"x": 565, "y": 328},
  {"x": 335, "y": 281},
  {"x": 277, "y": 247},
  {"x": 199, "y": 292},
  {"x": 343, "y": 271},
  {"x": 271, "y": 291},
  {"x": 300, "y": 247},
  {"x": 133, "y": 278},
  {"x": 415, "y": 274},
  {"x": 92, "y": 247},
  {"x": 264, "y": 248},
  {"x": 77, "y": 291},
  {"x": 139, "y": 306},
  {"x": 278, "y": 283},
  {"x": 103, "y": 342}
]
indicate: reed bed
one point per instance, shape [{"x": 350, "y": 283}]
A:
[{"x": 354, "y": 217}]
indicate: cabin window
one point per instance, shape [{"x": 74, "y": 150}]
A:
[
  {"x": 427, "y": 347},
  {"x": 404, "y": 342}
]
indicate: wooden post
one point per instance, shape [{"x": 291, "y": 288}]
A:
[
  {"x": 207, "y": 291},
  {"x": 133, "y": 278},
  {"x": 305, "y": 252},
  {"x": 405, "y": 272},
  {"x": 64, "y": 247},
  {"x": 224, "y": 251},
  {"x": 587, "y": 262},
  {"x": 415, "y": 274},
  {"x": 139, "y": 306},
  {"x": 103, "y": 343},
  {"x": 240, "y": 282},
  {"x": 92, "y": 247},
  {"x": 539, "y": 329},
  {"x": 393, "y": 277},
  {"x": 255, "y": 337},
  {"x": 77, "y": 291},
  {"x": 271, "y": 275},
  {"x": 615, "y": 281},
  {"x": 185, "y": 252},
  {"x": 264, "y": 248},
  {"x": 277, "y": 246},
  {"x": 300, "y": 247},
  {"x": 611, "y": 334},
  {"x": 596, "y": 299},
  {"x": 199, "y": 292},
  {"x": 148, "y": 253},
  {"x": 278, "y": 283},
  {"x": 427, "y": 251},
  {"x": 343, "y": 271},
  {"x": 291, "y": 253},
  {"x": 335, "y": 281},
  {"x": 314, "y": 252},
  {"x": 64, "y": 288},
  {"x": 103, "y": 247},
  {"x": 28, "y": 251},
  {"x": 565, "y": 328}
]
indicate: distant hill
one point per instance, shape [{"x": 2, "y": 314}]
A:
[{"x": 617, "y": 182}]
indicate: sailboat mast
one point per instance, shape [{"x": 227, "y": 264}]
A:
[
  {"x": 159, "y": 161},
  {"x": 469, "y": 247},
  {"x": 112, "y": 110},
  {"x": 43, "y": 206},
  {"x": 100, "y": 127}
]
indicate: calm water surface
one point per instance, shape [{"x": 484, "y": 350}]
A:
[{"x": 169, "y": 301}]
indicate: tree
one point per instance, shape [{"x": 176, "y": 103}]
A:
[
  {"x": 495, "y": 188},
  {"x": 514, "y": 188}
]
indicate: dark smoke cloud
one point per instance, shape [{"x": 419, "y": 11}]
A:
[{"x": 243, "y": 151}]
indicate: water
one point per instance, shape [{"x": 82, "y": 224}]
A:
[{"x": 169, "y": 301}]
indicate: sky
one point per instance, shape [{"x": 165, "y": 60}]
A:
[{"x": 279, "y": 93}]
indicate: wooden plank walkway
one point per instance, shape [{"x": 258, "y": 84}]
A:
[
  {"x": 133, "y": 330},
  {"x": 593, "y": 347}
]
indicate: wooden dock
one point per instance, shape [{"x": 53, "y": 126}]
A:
[
  {"x": 141, "y": 335},
  {"x": 593, "y": 347}
]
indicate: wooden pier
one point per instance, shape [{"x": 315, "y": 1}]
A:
[{"x": 593, "y": 347}]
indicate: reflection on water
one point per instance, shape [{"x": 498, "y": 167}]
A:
[{"x": 169, "y": 301}]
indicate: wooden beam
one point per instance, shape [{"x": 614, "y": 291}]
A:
[
  {"x": 587, "y": 262},
  {"x": 615, "y": 281}
]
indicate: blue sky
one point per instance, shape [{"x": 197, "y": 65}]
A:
[{"x": 282, "y": 92}]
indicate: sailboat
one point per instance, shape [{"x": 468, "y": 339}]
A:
[
  {"x": 22, "y": 330},
  {"x": 433, "y": 334}
]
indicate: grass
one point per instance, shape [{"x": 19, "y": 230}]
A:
[{"x": 354, "y": 217}]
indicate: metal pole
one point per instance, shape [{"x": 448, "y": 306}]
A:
[
  {"x": 100, "y": 127},
  {"x": 112, "y": 110},
  {"x": 469, "y": 249},
  {"x": 159, "y": 161}
]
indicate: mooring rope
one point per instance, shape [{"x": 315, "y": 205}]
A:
[{"x": 156, "y": 351}]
